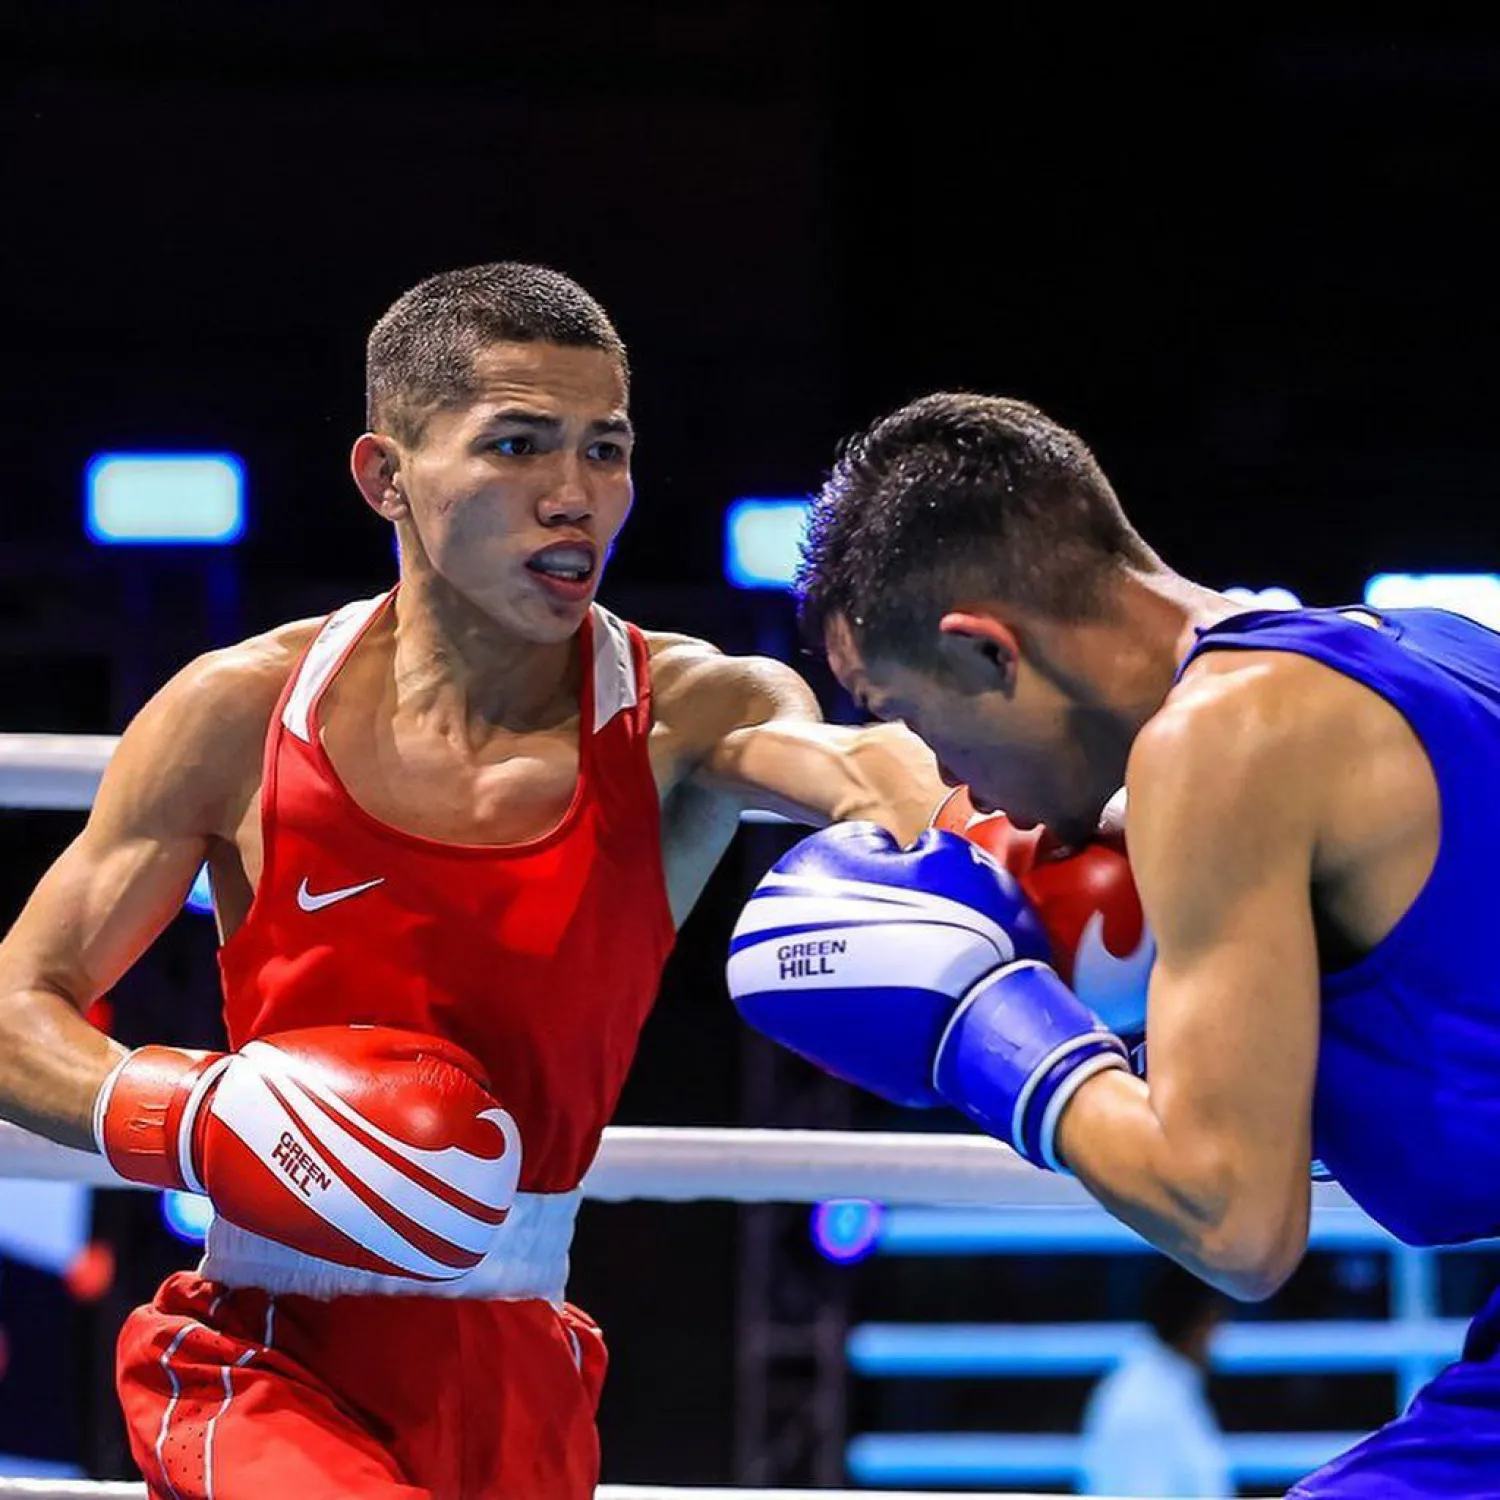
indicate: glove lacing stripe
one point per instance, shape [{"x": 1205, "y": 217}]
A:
[
  {"x": 1065, "y": 1091},
  {"x": 206, "y": 1081},
  {"x": 101, "y": 1106}
]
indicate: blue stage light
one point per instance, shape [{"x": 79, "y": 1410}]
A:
[
  {"x": 986, "y": 1350},
  {"x": 201, "y": 897},
  {"x": 846, "y": 1229},
  {"x": 763, "y": 542},
  {"x": 993, "y": 1460},
  {"x": 1476, "y": 595},
  {"x": 164, "y": 499},
  {"x": 187, "y": 1215}
]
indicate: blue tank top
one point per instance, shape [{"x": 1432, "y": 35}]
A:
[{"x": 1407, "y": 1109}]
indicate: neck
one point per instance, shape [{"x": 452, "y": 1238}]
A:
[
  {"x": 1122, "y": 664},
  {"x": 1164, "y": 611},
  {"x": 454, "y": 661}
]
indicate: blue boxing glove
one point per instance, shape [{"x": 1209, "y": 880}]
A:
[
  {"x": 1016, "y": 1051},
  {"x": 918, "y": 974}
]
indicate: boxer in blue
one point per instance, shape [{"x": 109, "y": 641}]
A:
[{"x": 1313, "y": 813}]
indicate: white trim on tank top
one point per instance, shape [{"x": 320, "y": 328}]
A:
[
  {"x": 325, "y": 653},
  {"x": 615, "y": 686}
]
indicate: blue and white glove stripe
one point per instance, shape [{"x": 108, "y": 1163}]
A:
[
  {"x": 853, "y": 951},
  {"x": 1016, "y": 1050},
  {"x": 807, "y": 901}
]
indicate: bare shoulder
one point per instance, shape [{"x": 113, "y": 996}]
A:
[
  {"x": 1276, "y": 752},
  {"x": 197, "y": 743},
  {"x": 696, "y": 685},
  {"x": 1265, "y": 713},
  {"x": 236, "y": 687}
]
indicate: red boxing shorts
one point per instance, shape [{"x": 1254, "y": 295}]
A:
[{"x": 241, "y": 1395}]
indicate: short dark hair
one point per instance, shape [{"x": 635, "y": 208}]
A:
[
  {"x": 1177, "y": 1303},
  {"x": 958, "y": 493},
  {"x": 420, "y": 355}
]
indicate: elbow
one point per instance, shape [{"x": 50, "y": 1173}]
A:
[
  {"x": 1258, "y": 1281},
  {"x": 1252, "y": 1262}
]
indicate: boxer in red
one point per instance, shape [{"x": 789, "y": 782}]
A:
[{"x": 451, "y": 832}]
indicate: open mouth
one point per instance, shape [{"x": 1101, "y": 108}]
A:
[{"x": 568, "y": 562}]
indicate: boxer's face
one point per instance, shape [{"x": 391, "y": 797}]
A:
[
  {"x": 1018, "y": 743},
  {"x": 515, "y": 497}
]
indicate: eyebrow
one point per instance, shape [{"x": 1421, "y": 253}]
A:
[{"x": 519, "y": 416}]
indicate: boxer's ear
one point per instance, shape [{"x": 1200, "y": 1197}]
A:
[
  {"x": 375, "y": 463},
  {"x": 982, "y": 652}
]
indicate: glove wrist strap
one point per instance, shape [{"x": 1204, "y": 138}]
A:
[
  {"x": 1102, "y": 1063},
  {"x": 145, "y": 1110}
]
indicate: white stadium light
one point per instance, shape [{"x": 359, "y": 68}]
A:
[
  {"x": 1271, "y": 597},
  {"x": 165, "y": 499},
  {"x": 1476, "y": 595},
  {"x": 763, "y": 542}
]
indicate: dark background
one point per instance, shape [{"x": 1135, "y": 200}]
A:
[{"x": 1252, "y": 264}]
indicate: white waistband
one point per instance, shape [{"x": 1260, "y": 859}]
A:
[{"x": 528, "y": 1259}]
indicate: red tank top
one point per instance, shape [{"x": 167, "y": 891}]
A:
[{"x": 541, "y": 958}]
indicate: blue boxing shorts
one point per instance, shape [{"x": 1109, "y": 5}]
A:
[{"x": 1446, "y": 1444}]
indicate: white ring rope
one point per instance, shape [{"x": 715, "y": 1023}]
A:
[
  {"x": 674, "y": 1165},
  {"x": 53, "y": 770}
]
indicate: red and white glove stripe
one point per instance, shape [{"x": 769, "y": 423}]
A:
[
  {"x": 364, "y": 1146},
  {"x": 409, "y": 1211}
]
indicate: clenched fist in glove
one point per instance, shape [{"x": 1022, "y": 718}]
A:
[
  {"x": 363, "y": 1145},
  {"x": 919, "y": 974}
]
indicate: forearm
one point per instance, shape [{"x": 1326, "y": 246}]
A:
[
  {"x": 830, "y": 773},
  {"x": 1194, "y": 1199},
  {"x": 890, "y": 779},
  {"x": 52, "y": 1063}
]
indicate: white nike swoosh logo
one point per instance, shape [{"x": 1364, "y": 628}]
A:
[
  {"x": 1113, "y": 988},
  {"x": 310, "y": 902}
]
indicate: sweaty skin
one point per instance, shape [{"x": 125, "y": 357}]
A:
[
  {"x": 456, "y": 717},
  {"x": 1276, "y": 808},
  {"x": 1281, "y": 820}
]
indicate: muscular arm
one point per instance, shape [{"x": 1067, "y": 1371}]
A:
[
  {"x": 767, "y": 746},
  {"x": 1210, "y": 1161},
  {"x": 168, "y": 791}
]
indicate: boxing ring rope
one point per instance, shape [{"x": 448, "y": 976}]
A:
[
  {"x": 57, "y": 771},
  {"x": 670, "y": 1164}
]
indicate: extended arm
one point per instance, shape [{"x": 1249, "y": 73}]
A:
[{"x": 768, "y": 747}]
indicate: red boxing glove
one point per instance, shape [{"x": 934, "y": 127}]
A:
[
  {"x": 361, "y": 1145},
  {"x": 1088, "y": 905}
]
